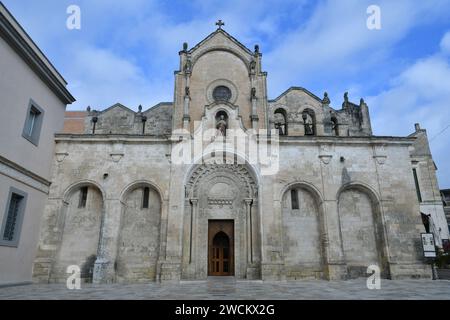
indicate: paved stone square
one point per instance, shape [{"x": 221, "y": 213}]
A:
[{"x": 218, "y": 289}]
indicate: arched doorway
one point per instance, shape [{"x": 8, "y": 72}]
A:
[
  {"x": 221, "y": 248},
  {"x": 227, "y": 193}
]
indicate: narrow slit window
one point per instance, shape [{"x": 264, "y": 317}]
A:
[
  {"x": 416, "y": 181},
  {"x": 294, "y": 199},
  {"x": 145, "y": 198},
  {"x": 83, "y": 197}
]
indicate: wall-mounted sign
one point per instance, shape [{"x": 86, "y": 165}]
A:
[{"x": 429, "y": 249}]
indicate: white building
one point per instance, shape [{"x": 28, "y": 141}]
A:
[{"x": 33, "y": 99}]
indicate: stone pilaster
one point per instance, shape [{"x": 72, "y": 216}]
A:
[
  {"x": 334, "y": 262},
  {"x": 107, "y": 250}
]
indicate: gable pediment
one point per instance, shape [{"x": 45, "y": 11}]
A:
[
  {"x": 220, "y": 40},
  {"x": 299, "y": 93},
  {"x": 117, "y": 107}
]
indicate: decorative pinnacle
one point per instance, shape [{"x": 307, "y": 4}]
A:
[{"x": 326, "y": 99}]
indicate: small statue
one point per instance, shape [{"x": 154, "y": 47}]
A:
[
  {"x": 345, "y": 103},
  {"x": 307, "y": 120},
  {"x": 140, "y": 108},
  {"x": 280, "y": 127},
  {"x": 88, "y": 109},
  {"x": 185, "y": 46},
  {"x": 252, "y": 66},
  {"x": 256, "y": 48},
  {"x": 222, "y": 126},
  {"x": 253, "y": 93},
  {"x": 326, "y": 99},
  {"x": 187, "y": 91},
  {"x": 188, "y": 66}
]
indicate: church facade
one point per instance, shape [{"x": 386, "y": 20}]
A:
[{"x": 225, "y": 182}]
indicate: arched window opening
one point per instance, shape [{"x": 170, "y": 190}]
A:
[
  {"x": 334, "y": 127},
  {"x": 280, "y": 121},
  {"x": 309, "y": 122}
]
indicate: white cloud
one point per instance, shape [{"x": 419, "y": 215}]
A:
[
  {"x": 445, "y": 43},
  {"x": 335, "y": 39},
  {"x": 420, "y": 94},
  {"x": 104, "y": 78}
]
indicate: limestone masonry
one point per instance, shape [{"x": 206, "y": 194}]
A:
[{"x": 340, "y": 199}]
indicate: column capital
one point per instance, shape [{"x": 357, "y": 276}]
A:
[{"x": 194, "y": 201}]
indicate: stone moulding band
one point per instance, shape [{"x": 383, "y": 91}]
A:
[{"x": 22, "y": 175}]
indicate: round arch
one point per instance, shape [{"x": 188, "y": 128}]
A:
[
  {"x": 361, "y": 186},
  {"x": 229, "y": 154},
  {"x": 224, "y": 49},
  {"x": 304, "y": 185},
  {"x": 140, "y": 183},
  {"x": 79, "y": 184}
]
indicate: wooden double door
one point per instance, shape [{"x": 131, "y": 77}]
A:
[{"x": 221, "y": 247}]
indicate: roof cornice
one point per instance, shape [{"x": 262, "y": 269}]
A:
[{"x": 14, "y": 35}]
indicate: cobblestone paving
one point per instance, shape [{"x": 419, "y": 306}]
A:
[{"x": 218, "y": 289}]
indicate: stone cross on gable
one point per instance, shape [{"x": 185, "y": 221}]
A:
[{"x": 220, "y": 24}]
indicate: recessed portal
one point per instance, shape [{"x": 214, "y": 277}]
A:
[{"x": 221, "y": 247}]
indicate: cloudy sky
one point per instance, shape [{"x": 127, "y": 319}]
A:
[{"x": 126, "y": 51}]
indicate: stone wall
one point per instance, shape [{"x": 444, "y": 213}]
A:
[
  {"x": 80, "y": 234},
  {"x": 138, "y": 248},
  {"x": 118, "y": 119},
  {"x": 357, "y": 206},
  {"x": 351, "y": 120},
  {"x": 302, "y": 229}
]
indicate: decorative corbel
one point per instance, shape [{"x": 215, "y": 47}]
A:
[{"x": 60, "y": 156}]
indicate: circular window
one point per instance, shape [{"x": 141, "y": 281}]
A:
[{"x": 221, "y": 93}]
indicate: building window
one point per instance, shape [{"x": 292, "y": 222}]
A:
[
  {"x": 145, "y": 197},
  {"x": 12, "y": 221},
  {"x": 294, "y": 199},
  {"x": 416, "y": 181},
  {"x": 83, "y": 197},
  {"x": 33, "y": 123}
]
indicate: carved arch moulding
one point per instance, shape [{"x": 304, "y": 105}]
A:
[{"x": 239, "y": 171}]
